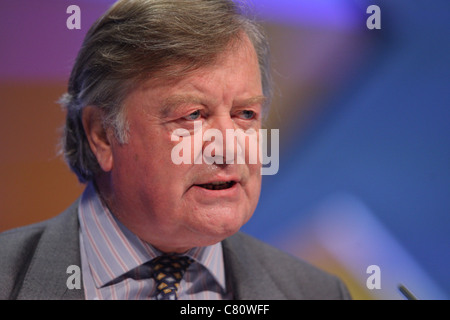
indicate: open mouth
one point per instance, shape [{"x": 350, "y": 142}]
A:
[{"x": 219, "y": 185}]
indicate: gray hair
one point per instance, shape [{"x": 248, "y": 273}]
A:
[{"x": 139, "y": 39}]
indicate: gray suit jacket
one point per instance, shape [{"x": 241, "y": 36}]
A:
[{"x": 34, "y": 261}]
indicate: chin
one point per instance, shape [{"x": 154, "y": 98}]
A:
[{"x": 223, "y": 223}]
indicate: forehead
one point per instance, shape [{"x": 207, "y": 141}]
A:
[
  {"x": 238, "y": 53},
  {"x": 233, "y": 73}
]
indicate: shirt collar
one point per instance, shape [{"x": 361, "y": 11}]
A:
[
  {"x": 211, "y": 258},
  {"x": 113, "y": 250}
]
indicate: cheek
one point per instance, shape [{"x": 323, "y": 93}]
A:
[
  {"x": 255, "y": 172},
  {"x": 145, "y": 163},
  {"x": 150, "y": 150},
  {"x": 253, "y": 187}
]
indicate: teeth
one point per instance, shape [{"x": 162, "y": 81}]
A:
[{"x": 218, "y": 185}]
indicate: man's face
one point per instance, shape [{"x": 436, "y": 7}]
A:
[{"x": 175, "y": 207}]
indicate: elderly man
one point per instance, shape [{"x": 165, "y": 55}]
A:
[{"x": 146, "y": 227}]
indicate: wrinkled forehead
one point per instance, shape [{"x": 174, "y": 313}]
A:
[
  {"x": 236, "y": 62},
  {"x": 180, "y": 66},
  {"x": 238, "y": 54}
]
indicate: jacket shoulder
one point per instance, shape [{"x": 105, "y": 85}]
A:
[
  {"x": 296, "y": 278},
  {"x": 17, "y": 249}
]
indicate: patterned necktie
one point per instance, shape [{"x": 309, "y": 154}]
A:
[{"x": 168, "y": 271}]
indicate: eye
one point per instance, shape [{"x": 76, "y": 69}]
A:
[
  {"x": 247, "y": 114},
  {"x": 194, "y": 115}
]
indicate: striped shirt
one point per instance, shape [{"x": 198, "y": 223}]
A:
[{"x": 112, "y": 259}]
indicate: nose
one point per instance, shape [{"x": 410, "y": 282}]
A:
[{"x": 220, "y": 144}]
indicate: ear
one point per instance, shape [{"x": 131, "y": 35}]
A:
[{"x": 98, "y": 137}]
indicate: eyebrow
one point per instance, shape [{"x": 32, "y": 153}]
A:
[
  {"x": 252, "y": 101},
  {"x": 176, "y": 100}
]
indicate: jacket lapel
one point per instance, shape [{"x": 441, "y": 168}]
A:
[{"x": 246, "y": 275}]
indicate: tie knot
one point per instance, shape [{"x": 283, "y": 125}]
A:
[
  {"x": 171, "y": 262},
  {"x": 168, "y": 270}
]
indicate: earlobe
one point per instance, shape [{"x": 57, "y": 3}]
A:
[{"x": 99, "y": 140}]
